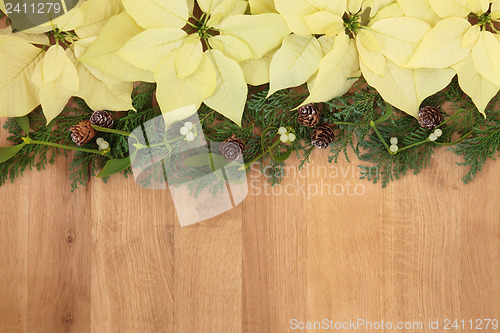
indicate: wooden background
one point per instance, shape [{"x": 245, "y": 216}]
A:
[{"x": 113, "y": 258}]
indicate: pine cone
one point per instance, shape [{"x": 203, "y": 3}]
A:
[
  {"x": 429, "y": 117},
  {"x": 82, "y": 133},
  {"x": 101, "y": 119},
  {"x": 322, "y": 136},
  {"x": 308, "y": 116},
  {"x": 232, "y": 148}
]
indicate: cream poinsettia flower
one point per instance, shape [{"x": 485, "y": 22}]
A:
[
  {"x": 194, "y": 59},
  {"x": 39, "y": 70},
  {"x": 472, "y": 50},
  {"x": 375, "y": 36}
]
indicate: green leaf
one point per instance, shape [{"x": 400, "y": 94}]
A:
[
  {"x": 6, "y": 153},
  {"x": 24, "y": 123},
  {"x": 389, "y": 110},
  {"x": 114, "y": 166},
  {"x": 217, "y": 162},
  {"x": 198, "y": 161},
  {"x": 283, "y": 156}
]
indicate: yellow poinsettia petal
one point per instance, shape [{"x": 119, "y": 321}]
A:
[
  {"x": 373, "y": 59},
  {"x": 442, "y": 46},
  {"x": 39, "y": 39},
  {"x": 399, "y": 37},
  {"x": 262, "y": 6},
  {"x": 18, "y": 59},
  {"x": 294, "y": 11},
  {"x": 420, "y": 9},
  {"x": 392, "y": 10},
  {"x": 406, "y": 88},
  {"x": 99, "y": 94},
  {"x": 174, "y": 93},
  {"x": 158, "y": 13},
  {"x": 471, "y": 35},
  {"x": 449, "y": 8},
  {"x": 325, "y": 23},
  {"x": 262, "y": 32},
  {"x": 335, "y": 70},
  {"x": 495, "y": 10},
  {"x": 256, "y": 71},
  {"x": 377, "y": 5},
  {"x": 478, "y": 6},
  {"x": 95, "y": 14},
  {"x": 354, "y": 6},
  {"x": 66, "y": 22},
  {"x": 189, "y": 57},
  {"x": 226, "y": 9},
  {"x": 230, "y": 95},
  {"x": 148, "y": 48},
  {"x": 103, "y": 53},
  {"x": 57, "y": 78},
  {"x": 326, "y": 44},
  {"x": 429, "y": 81},
  {"x": 485, "y": 55},
  {"x": 295, "y": 62},
  {"x": 231, "y": 46},
  {"x": 479, "y": 89}
]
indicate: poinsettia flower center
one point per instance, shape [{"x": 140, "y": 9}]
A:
[{"x": 484, "y": 20}]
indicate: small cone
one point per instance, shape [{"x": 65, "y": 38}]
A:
[
  {"x": 308, "y": 116},
  {"x": 322, "y": 136},
  {"x": 232, "y": 148},
  {"x": 101, "y": 119},
  {"x": 429, "y": 117},
  {"x": 82, "y": 133}
]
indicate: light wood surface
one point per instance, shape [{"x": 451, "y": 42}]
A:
[{"x": 113, "y": 258}]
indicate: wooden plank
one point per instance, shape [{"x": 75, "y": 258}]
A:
[
  {"x": 13, "y": 252},
  {"x": 58, "y": 256},
  {"x": 343, "y": 245},
  {"x": 274, "y": 252},
  {"x": 132, "y": 258},
  {"x": 208, "y": 275}
]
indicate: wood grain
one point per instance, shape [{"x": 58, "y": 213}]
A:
[{"x": 113, "y": 258}]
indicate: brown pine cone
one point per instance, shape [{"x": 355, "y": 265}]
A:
[
  {"x": 232, "y": 149},
  {"x": 322, "y": 136},
  {"x": 308, "y": 116},
  {"x": 82, "y": 133},
  {"x": 429, "y": 117},
  {"x": 101, "y": 119}
]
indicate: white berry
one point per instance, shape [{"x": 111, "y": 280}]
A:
[
  {"x": 184, "y": 130},
  {"x": 284, "y": 138},
  {"x": 433, "y": 137},
  {"x": 188, "y": 125},
  {"x": 99, "y": 141},
  {"x": 394, "y": 140},
  {"x": 104, "y": 145},
  {"x": 438, "y": 132},
  {"x": 190, "y": 136},
  {"x": 292, "y": 137},
  {"x": 394, "y": 148},
  {"x": 282, "y": 130}
]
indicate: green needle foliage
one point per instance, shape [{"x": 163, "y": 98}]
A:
[{"x": 352, "y": 115}]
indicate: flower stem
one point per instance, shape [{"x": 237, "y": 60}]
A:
[
  {"x": 374, "y": 126},
  {"x": 57, "y": 145},
  {"x": 414, "y": 145},
  {"x": 258, "y": 157},
  {"x": 454, "y": 142}
]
